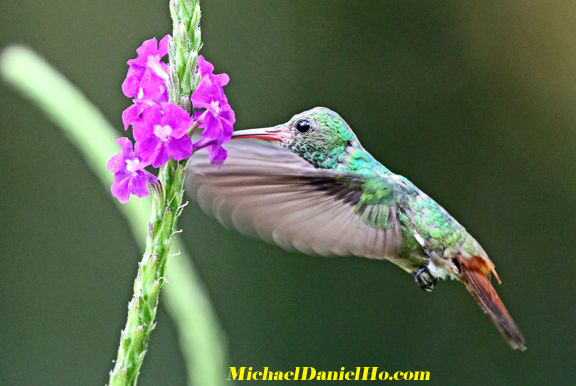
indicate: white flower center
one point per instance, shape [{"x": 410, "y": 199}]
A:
[
  {"x": 216, "y": 106},
  {"x": 132, "y": 165},
  {"x": 163, "y": 132},
  {"x": 153, "y": 63}
]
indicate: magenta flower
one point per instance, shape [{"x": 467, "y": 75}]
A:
[
  {"x": 130, "y": 177},
  {"x": 217, "y": 153},
  {"x": 217, "y": 118},
  {"x": 161, "y": 129},
  {"x": 152, "y": 92},
  {"x": 161, "y": 136},
  {"x": 218, "y": 123},
  {"x": 206, "y": 70},
  {"x": 146, "y": 79},
  {"x": 150, "y": 54},
  {"x": 149, "y": 59}
]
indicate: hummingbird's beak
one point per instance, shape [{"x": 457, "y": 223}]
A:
[{"x": 275, "y": 133}]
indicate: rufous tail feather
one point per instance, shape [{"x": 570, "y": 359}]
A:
[{"x": 475, "y": 274}]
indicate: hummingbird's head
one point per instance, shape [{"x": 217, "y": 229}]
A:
[{"x": 319, "y": 135}]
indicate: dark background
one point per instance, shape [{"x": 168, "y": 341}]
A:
[{"x": 473, "y": 101}]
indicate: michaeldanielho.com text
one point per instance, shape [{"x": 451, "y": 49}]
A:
[{"x": 310, "y": 373}]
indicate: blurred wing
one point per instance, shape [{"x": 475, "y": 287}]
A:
[{"x": 265, "y": 190}]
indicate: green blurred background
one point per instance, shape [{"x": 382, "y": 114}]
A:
[{"x": 473, "y": 101}]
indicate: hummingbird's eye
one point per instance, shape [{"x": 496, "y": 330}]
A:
[{"x": 303, "y": 125}]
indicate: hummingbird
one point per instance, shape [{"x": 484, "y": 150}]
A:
[{"x": 309, "y": 185}]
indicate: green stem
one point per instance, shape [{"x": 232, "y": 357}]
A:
[
  {"x": 166, "y": 208},
  {"x": 200, "y": 336},
  {"x": 166, "y": 205}
]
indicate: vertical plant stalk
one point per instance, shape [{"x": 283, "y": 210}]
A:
[
  {"x": 142, "y": 308},
  {"x": 198, "y": 329},
  {"x": 166, "y": 203}
]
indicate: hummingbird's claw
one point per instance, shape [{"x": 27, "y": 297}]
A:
[{"x": 424, "y": 279}]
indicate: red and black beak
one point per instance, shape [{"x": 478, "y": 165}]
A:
[{"x": 275, "y": 133}]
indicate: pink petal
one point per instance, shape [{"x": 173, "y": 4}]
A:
[
  {"x": 126, "y": 146},
  {"x": 217, "y": 154},
  {"x": 148, "y": 47},
  {"x": 130, "y": 115},
  {"x": 163, "y": 46},
  {"x": 120, "y": 187},
  {"x": 139, "y": 185},
  {"x": 131, "y": 85},
  {"x": 212, "y": 127},
  {"x": 147, "y": 149},
  {"x": 178, "y": 119},
  {"x": 203, "y": 94},
  {"x": 180, "y": 148},
  {"x": 116, "y": 163},
  {"x": 144, "y": 128},
  {"x": 205, "y": 66},
  {"x": 222, "y": 79},
  {"x": 161, "y": 155},
  {"x": 153, "y": 115},
  {"x": 153, "y": 88},
  {"x": 142, "y": 131}
]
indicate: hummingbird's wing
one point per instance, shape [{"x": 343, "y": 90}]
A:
[{"x": 265, "y": 190}]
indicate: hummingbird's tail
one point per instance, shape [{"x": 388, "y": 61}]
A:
[{"x": 475, "y": 274}]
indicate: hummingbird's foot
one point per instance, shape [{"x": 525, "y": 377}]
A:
[{"x": 424, "y": 279}]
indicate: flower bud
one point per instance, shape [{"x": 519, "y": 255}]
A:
[
  {"x": 138, "y": 337},
  {"x": 195, "y": 22},
  {"x": 196, "y": 43},
  {"x": 173, "y": 5}
]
